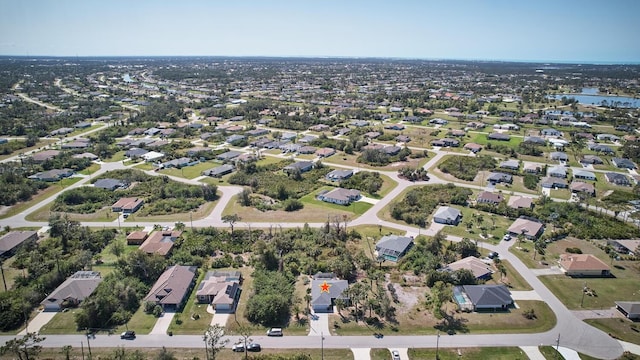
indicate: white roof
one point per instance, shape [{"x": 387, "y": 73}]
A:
[{"x": 152, "y": 155}]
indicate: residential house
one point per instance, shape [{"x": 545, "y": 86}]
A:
[
  {"x": 110, "y": 184},
  {"x": 403, "y": 138},
  {"x": 582, "y": 187},
  {"x": 411, "y": 119},
  {"x": 447, "y": 215},
  {"x": 604, "y": 149},
  {"x": 178, "y": 163},
  {"x": 498, "y": 177},
  {"x": 160, "y": 242},
  {"x": 235, "y": 139},
  {"x": 482, "y": 297},
  {"x": 339, "y": 175},
  {"x": 152, "y": 156},
  {"x": 583, "y": 265},
  {"x": 43, "y": 156},
  {"x": 76, "y": 144},
  {"x": 61, "y": 131},
  {"x": 486, "y": 197},
  {"x": 520, "y": 202},
  {"x": 325, "y": 152},
  {"x": 52, "y": 175},
  {"x": 172, "y": 288},
  {"x": 553, "y": 182},
  {"x": 82, "y": 125},
  {"x": 319, "y": 127},
  {"x": 584, "y": 175},
  {"x": 399, "y": 127},
  {"x": 499, "y": 136},
  {"x": 626, "y": 246},
  {"x": 456, "y": 133},
  {"x": 221, "y": 289},
  {"x": 300, "y": 166},
  {"x": 534, "y": 140},
  {"x": 135, "y": 153},
  {"x": 607, "y": 137},
  {"x": 137, "y": 237},
  {"x": 339, "y": 196},
  {"x": 325, "y": 290},
  {"x": 393, "y": 247},
  {"x": 529, "y": 227},
  {"x": 86, "y": 155},
  {"x": 72, "y": 291},
  {"x": 506, "y": 127},
  {"x": 591, "y": 159},
  {"x": 550, "y": 132},
  {"x": 559, "y": 156},
  {"x": 307, "y": 139},
  {"x": 127, "y": 205},
  {"x": 473, "y": 147},
  {"x": 630, "y": 309},
  {"x": 617, "y": 179},
  {"x": 478, "y": 268},
  {"x": 558, "y": 144},
  {"x": 557, "y": 171},
  {"x": 372, "y": 134},
  {"x": 391, "y": 150},
  {"x": 623, "y": 163},
  {"x": 307, "y": 150},
  {"x": 532, "y": 168},
  {"x": 438, "y": 121},
  {"x": 257, "y": 132},
  {"x": 12, "y": 241},
  {"x": 229, "y": 155},
  {"x": 446, "y": 142},
  {"x": 510, "y": 164},
  {"x": 360, "y": 123}
]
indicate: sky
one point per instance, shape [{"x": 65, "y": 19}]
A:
[{"x": 587, "y": 31}]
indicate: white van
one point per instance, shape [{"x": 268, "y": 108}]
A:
[{"x": 274, "y": 332}]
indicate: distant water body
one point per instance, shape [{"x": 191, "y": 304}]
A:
[{"x": 589, "y": 96}]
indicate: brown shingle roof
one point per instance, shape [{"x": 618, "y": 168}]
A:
[{"x": 578, "y": 262}]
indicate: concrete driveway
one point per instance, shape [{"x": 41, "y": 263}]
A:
[
  {"x": 319, "y": 325},
  {"x": 38, "y": 322},
  {"x": 361, "y": 353},
  {"x": 162, "y": 324}
]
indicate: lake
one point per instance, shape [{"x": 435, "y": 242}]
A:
[{"x": 588, "y": 97}]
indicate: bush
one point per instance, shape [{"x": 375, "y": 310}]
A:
[
  {"x": 292, "y": 205},
  {"x": 157, "y": 311},
  {"x": 573, "y": 250}
]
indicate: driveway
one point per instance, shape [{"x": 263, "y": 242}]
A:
[
  {"x": 597, "y": 314},
  {"x": 162, "y": 324},
  {"x": 554, "y": 270},
  {"x": 218, "y": 318},
  {"x": 533, "y": 352},
  {"x": 38, "y": 322},
  {"x": 319, "y": 325},
  {"x": 525, "y": 295},
  {"x": 361, "y": 353}
]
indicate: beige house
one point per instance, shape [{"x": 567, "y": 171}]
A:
[{"x": 583, "y": 265}]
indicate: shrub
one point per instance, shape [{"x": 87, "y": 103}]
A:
[
  {"x": 292, "y": 205},
  {"x": 573, "y": 250}
]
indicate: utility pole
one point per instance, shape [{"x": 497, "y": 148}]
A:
[
  {"x": 584, "y": 290},
  {"x": 558, "y": 346},
  {"x": 437, "y": 344},
  {"x": 3, "y": 279},
  {"x": 322, "y": 345}
]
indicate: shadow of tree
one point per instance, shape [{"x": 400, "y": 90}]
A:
[{"x": 452, "y": 325}]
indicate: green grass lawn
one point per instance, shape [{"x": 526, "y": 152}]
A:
[
  {"x": 10, "y": 273},
  {"x": 549, "y": 352},
  {"x": 623, "y": 286},
  {"x": 105, "y": 214},
  {"x": 190, "y": 172},
  {"x": 623, "y": 329},
  {"x": 483, "y": 353},
  {"x": 119, "y": 156},
  {"x": 62, "y": 323},
  {"x": 564, "y": 194},
  {"x": 194, "y": 317},
  {"x": 513, "y": 279},
  {"x": 496, "y": 225},
  {"x": 145, "y": 166},
  {"x": 356, "y": 207},
  {"x": 184, "y": 217},
  {"x": 90, "y": 170},
  {"x": 140, "y": 322}
]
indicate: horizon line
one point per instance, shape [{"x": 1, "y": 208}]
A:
[{"x": 532, "y": 61}]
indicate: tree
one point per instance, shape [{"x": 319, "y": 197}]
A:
[
  {"x": 117, "y": 248},
  {"x": 165, "y": 354},
  {"x": 245, "y": 339},
  {"x": 66, "y": 351},
  {"x": 24, "y": 348},
  {"x": 213, "y": 340},
  {"x": 231, "y": 220}
]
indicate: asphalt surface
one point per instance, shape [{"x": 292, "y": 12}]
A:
[{"x": 573, "y": 333}]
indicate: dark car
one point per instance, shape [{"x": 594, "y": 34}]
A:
[
  {"x": 254, "y": 347},
  {"x": 128, "y": 335}
]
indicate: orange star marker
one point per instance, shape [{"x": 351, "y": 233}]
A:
[{"x": 324, "y": 287}]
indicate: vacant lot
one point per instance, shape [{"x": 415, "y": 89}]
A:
[{"x": 494, "y": 353}]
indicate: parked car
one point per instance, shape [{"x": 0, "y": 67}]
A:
[
  {"x": 493, "y": 255},
  {"x": 395, "y": 355},
  {"x": 506, "y": 237},
  {"x": 129, "y": 335},
  {"x": 254, "y": 347},
  {"x": 238, "y": 348},
  {"x": 274, "y": 332}
]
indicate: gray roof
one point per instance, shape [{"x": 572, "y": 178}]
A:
[
  {"x": 323, "y": 298},
  {"x": 488, "y": 295},
  {"x": 14, "y": 238},
  {"x": 447, "y": 212},
  {"x": 228, "y": 155},
  {"x": 393, "y": 244},
  {"x": 109, "y": 184},
  {"x": 630, "y": 307},
  {"x": 219, "y": 170},
  {"x": 583, "y": 173},
  {"x": 78, "y": 286}
]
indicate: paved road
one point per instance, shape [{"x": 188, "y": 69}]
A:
[{"x": 574, "y": 333}]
